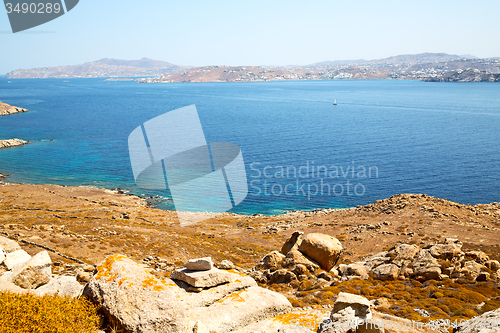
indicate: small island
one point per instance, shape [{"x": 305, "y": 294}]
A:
[
  {"x": 6, "y": 109},
  {"x": 12, "y": 143}
]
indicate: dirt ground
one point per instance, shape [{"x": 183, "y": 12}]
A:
[{"x": 90, "y": 224}]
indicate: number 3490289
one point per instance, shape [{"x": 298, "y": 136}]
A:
[{"x": 33, "y": 8}]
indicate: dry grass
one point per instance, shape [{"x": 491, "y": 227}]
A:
[{"x": 29, "y": 313}]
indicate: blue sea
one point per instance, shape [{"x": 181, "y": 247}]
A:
[{"x": 301, "y": 152}]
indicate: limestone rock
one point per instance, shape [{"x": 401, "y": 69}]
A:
[
  {"x": 426, "y": 267},
  {"x": 292, "y": 243},
  {"x": 282, "y": 276},
  {"x": 240, "y": 309},
  {"x": 8, "y": 245},
  {"x": 134, "y": 300},
  {"x": 295, "y": 257},
  {"x": 202, "y": 279},
  {"x": 359, "y": 304},
  {"x": 405, "y": 252},
  {"x": 61, "y": 286},
  {"x": 386, "y": 272},
  {"x": 445, "y": 251},
  {"x": 200, "y": 264},
  {"x": 493, "y": 265},
  {"x": 2, "y": 256},
  {"x": 273, "y": 259},
  {"x": 35, "y": 272},
  {"x": 357, "y": 269},
  {"x": 324, "y": 249},
  {"x": 15, "y": 258},
  {"x": 226, "y": 264},
  {"x": 478, "y": 256}
]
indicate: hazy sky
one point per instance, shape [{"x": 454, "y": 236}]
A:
[{"x": 253, "y": 32}]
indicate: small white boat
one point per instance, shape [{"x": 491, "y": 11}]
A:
[{"x": 335, "y": 102}]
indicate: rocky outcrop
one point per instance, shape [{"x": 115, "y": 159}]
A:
[
  {"x": 136, "y": 301},
  {"x": 6, "y": 109},
  {"x": 12, "y": 143},
  {"x": 432, "y": 262}
]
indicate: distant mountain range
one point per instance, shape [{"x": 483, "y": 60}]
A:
[
  {"x": 423, "y": 66},
  {"x": 101, "y": 68}
]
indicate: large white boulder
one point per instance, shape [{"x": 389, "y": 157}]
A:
[
  {"x": 61, "y": 286},
  {"x": 15, "y": 258},
  {"x": 33, "y": 273},
  {"x": 8, "y": 245}
]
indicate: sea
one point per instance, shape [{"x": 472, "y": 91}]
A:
[{"x": 300, "y": 151}]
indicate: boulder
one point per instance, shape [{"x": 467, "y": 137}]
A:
[
  {"x": 300, "y": 270},
  {"x": 226, "y": 264},
  {"x": 33, "y": 273},
  {"x": 493, "y": 265},
  {"x": 2, "y": 256},
  {"x": 478, "y": 256},
  {"x": 445, "y": 251},
  {"x": 293, "y": 242},
  {"x": 295, "y": 257},
  {"x": 324, "y": 249},
  {"x": 240, "y": 309},
  {"x": 202, "y": 279},
  {"x": 136, "y": 301},
  {"x": 61, "y": 286},
  {"x": 359, "y": 304},
  {"x": 357, "y": 269},
  {"x": 200, "y": 264},
  {"x": 404, "y": 252},
  {"x": 272, "y": 259},
  {"x": 8, "y": 245},
  {"x": 426, "y": 267},
  {"x": 386, "y": 272},
  {"x": 282, "y": 276},
  {"x": 15, "y": 258},
  {"x": 377, "y": 260}
]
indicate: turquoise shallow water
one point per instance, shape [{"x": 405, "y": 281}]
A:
[{"x": 300, "y": 151}]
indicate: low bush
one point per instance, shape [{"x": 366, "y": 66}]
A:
[{"x": 29, "y": 313}]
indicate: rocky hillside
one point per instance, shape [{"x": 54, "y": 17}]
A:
[{"x": 101, "y": 68}]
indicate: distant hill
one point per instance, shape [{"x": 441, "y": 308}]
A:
[{"x": 106, "y": 67}]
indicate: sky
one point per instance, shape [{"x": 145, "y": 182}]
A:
[{"x": 272, "y": 32}]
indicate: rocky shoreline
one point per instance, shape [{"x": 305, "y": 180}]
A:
[{"x": 6, "y": 109}]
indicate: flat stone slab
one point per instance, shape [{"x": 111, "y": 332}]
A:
[
  {"x": 200, "y": 264},
  {"x": 202, "y": 279}
]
